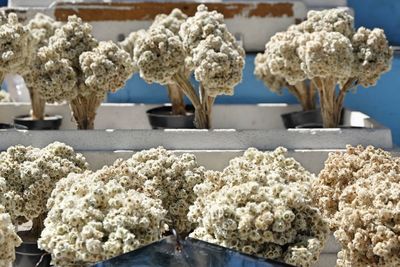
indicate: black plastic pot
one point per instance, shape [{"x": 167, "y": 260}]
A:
[
  {"x": 302, "y": 118},
  {"x": 12, "y": 126},
  {"x": 162, "y": 118},
  {"x": 29, "y": 255},
  {"x": 49, "y": 122}
]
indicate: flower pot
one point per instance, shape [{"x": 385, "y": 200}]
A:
[
  {"x": 49, "y": 122},
  {"x": 310, "y": 119},
  {"x": 29, "y": 255},
  {"x": 12, "y": 126},
  {"x": 162, "y": 118},
  {"x": 306, "y": 118}
]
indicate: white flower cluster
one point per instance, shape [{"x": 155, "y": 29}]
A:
[
  {"x": 326, "y": 45},
  {"x": 273, "y": 82},
  {"x": 59, "y": 61},
  {"x": 372, "y": 55},
  {"x": 175, "y": 44},
  {"x": 128, "y": 44},
  {"x": 75, "y": 64},
  {"x": 106, "y": 67},
  {"x": 8, "y": 239},
  {"x": 4, "y": 96},
  {"x": 28, "y": 175},
  {"x": 16, "y": 46},
  {"x": 159, "y": 55},
  {"x": 213, "y": 53},
  {"x": 41, "y": 28},
  {"x": 160, "y": 174},
  {"x": 95, "y": 216},
  {"x": 359, "y": 191},
  {"x": 260, "y": 204}
]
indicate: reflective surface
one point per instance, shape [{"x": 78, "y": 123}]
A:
[{"x": 188, "y": 253}]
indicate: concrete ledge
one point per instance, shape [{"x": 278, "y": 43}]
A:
[{"x": 237, "y": 127}]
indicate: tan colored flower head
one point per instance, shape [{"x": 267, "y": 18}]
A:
[
  {"x": 260, "y": 205},
  {"x": 28, "y": 176}
]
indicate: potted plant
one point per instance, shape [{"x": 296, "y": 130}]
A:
[
  {"x": 260, "y": 205},
  {"x": 75, "y": 67},
  {"x": 120, "y": 208},
  {"x": 203, "y": 46},
  {"x": 9, "y": 239},
  {"x": 40, "y": 28},
  {"x": 177, "y": 115},
  {"x": 328, "y": 53},
  {"x": 358, "y": 192},
  {"x": 27, "y": 178},
  {"x": 304, "y": 90}
]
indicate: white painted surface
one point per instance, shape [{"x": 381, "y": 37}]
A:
[{"x": 235, "y": 127}]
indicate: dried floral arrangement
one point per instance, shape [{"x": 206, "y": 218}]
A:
[
  {"x": 260, "y": 204},
  {"x": 359, "y": 192},
  {"x": 120, "y": 208},
  {"x": 176, "y": 46},
  {"x": 75, "y": 67},
  {"x": 321, "y": 54},
  {"x": 28, "y": 176}
]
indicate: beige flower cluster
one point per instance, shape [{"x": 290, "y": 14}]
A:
[
  {"x": 41, "y": 28},
  {"x": 28, "y": 175},
  {"x": 75, "y": 64},
  {"x": 128, "y": 45},
  {"x": 16, "y": 46},
  {"x": 372, "y": 56},
  {"x": 105, "y": 68},
  {"x": 95, "y": 216},
  {"x": 161, "y": 174},
  {"x": 213, "y": 53},
  {"x": 58, "y": 78},
  {"x": 260, "y": 204},
  {"x": 8, "y": 239},
  {"x": 4, "y": 96},
  {"x": 159, "y": 55},
  {"x": 359, "y": 191},
  {"x": 174, "y": 41},
  {"x": 325, "y": 51}
]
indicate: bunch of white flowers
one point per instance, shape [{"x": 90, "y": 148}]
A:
[
  {"x": 161, "y": 174},
  {"x": 260, "y": 204},
  {"x": 359, "y": 191},
  {"x": 174, "y": 46},
  {"x": 8, "y": 239},
  {"x": 41, "y": 28},
  {"x": 28, "y": 175},
  {"x": 320, "y": 54},
  {"x": 95, "y": 216},
  {"x": 16, "y": 46},
  {"x": 75, "y": 67},
  {"x": 99, "y": 215}
]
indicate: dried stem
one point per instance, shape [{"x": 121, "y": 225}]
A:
[
  {"x": 176, "y": 97},
  {"x": 188, "y": 90},
  {"x": 305, "y": 94},
  {"x": 207, "y": 102},
  {"x": 84, "y": 110},
  {"x": 330, "y": 106},
  {"x": 37, "y": 104}
]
